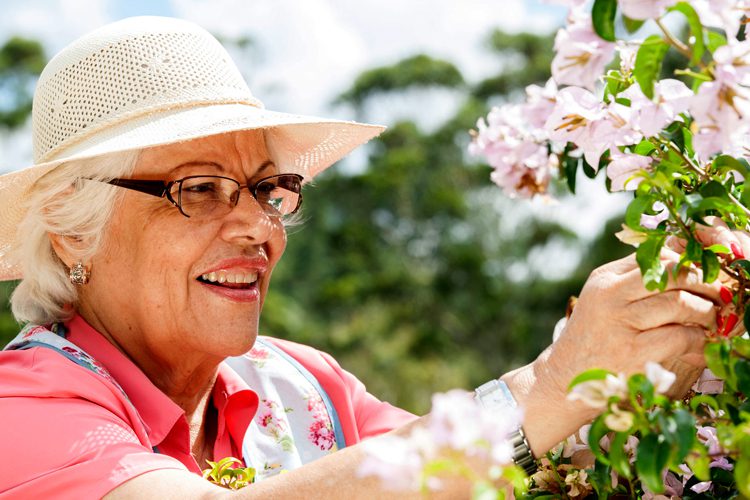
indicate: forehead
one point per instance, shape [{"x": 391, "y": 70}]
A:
[{"x": 243, "y": 152}]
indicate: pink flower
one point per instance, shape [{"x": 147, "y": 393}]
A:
[
  {"x": 721, "y": 108},
  {"x": 701, "y": 487},
  {"x": 628, "y": 52},
  {"x": 398, "y": 462},
  {"x": 540, "y": 101},
  {"x": 580, "y": 54},
  {"x": 708, "y": 383},
  {"x": 671, "y": 97},
  {"x": 652, "y": 221},
  {"x": 459, "y": 423},
  {"x": 321, "y": 435},
  {"x": 645, "y": 9},
  {"x": 722, "y": 14},
  {"x": 515, "y": 149},
  {"x": 622, "y": 170}
]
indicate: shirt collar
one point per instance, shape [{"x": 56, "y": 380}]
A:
[{"x": 235, "y": 402}]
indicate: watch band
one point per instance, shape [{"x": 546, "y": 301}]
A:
[{"x": 495, "y": 395}]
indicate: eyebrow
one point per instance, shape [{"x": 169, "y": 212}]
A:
[{"x": 263, "y": 166}]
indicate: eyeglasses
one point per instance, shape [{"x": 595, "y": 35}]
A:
[{"x": 211, "y": 196}]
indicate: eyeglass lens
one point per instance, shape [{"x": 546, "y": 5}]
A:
[{"x": 211, "y": 196}]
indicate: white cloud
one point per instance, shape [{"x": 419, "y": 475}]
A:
[{"x": 55, "y": 23}]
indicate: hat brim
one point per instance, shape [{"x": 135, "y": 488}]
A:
[{"x": 301, "y": 144}]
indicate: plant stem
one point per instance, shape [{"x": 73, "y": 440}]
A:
[{"x": 681, "y": 47}]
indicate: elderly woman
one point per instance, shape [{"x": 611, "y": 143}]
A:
[{"x": 146, "y": 235}]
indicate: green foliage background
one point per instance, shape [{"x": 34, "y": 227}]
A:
[{"x": 404, "y": 271}]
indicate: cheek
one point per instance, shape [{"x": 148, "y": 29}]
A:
[{"x": 277, "y": 244}]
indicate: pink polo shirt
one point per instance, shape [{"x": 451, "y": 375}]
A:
[{"x": 67, "y": 432}]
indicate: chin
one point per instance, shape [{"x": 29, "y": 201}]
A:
[{"x": 238, "y": 342}]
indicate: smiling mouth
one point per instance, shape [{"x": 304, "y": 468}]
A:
[{"x": 235, "y": 280}]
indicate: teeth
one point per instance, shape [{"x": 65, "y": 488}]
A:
[{"x": 224, "y": 277}]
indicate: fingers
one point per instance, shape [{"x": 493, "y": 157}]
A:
[
  {"x": 672, "y": 341},
  {"x": 671, "y": 307},
  {"x": 716, "y": 233},
  {"x": 688, "y": 278}
]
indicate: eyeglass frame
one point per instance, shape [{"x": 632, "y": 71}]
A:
[{"x": 162, "y": 188}]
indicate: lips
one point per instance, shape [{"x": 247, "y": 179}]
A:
[{"x": 236, "y": 279}]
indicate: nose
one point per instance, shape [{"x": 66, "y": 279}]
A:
[{"x": 248, "y": 221}]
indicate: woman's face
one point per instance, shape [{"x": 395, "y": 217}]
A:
[{"x": 156, "y": 281}]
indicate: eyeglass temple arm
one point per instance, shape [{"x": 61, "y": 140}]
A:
[{"x": 155, "y": 188}]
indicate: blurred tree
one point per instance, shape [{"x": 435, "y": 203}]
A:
[{"x": 21, "y": 61}]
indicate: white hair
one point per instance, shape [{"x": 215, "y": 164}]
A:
[{"x": 69, "y": 202}]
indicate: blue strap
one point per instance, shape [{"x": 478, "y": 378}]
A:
[{"x": 337, "y": 430}]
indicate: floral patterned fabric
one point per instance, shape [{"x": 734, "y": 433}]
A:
[{"x": 293, "y": 425}]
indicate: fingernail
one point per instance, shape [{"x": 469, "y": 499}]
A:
[
  {"x": 737, "y": 251},
  {"x": 726, "y": 295},
  {"x": 719, "y": 323},
  {"x": 730, "y": 324}
]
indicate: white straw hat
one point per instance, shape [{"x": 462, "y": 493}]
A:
[{"x": 149, "y": 81}]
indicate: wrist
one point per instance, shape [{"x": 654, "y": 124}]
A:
[{"x": 549, "y": 417}]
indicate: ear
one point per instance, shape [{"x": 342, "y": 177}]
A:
[{"x": 64, "y": 247}]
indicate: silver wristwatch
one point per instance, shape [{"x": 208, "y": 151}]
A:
[{"x": 495, "y": 395}]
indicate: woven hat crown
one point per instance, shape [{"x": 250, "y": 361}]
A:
[{"x": 125, "y": 70}]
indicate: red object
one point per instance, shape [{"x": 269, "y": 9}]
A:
[
  {"x": 737, "y": 251},
  {"x": 726, "y": 295},
  {"x": 729, "y": 324}
]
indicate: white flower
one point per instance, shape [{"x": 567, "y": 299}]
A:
[
  {"x": 397, "y": 461},
  {"x": 630, "y": 237},
  {"x": 619, "y": 420},
  {"x": 596, "y": 393},
  {"x": 661, "y": 379}
]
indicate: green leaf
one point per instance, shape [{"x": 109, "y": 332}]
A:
[
  {"x": 648, "y": 63},
  {"x": 653, "y": 455},
  {"x": 742, "y": 371},
  {"x": 718, "y": 248},
  {"x": 632, "y": 25},
  {"x": 635, "y": 209},
  {"x": 603, "y": 17},
  {"x": 741, "y": 346},
  {"x": 714, "y": 189},
  {"x": 742, "y": 474},
  {"x": 715, "y": 40},
  {"x": 618, "y": 456},
  {"x": 641, "y": 387},
  {"x": 644, "y": 148},
  {"x": 682, "y": 434},
  {"x": 726, "y": 163},
  {"x": 570, "y": 169},
  {"x": 699, "y": 463},
  {"x": 597, "y": 431},
  {"x": 693, "y": 250},
  {"x": 697, "y": 42},
  {"x": 592, "y": 374},
  {"x": 647, "y": 255},
  {"x": 704, "y": 399},
  {"x": 717, "y": 358},
  {"x": 710, "y": 265}
]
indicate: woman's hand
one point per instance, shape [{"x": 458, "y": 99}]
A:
[{"x": 618, "y": 325}]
